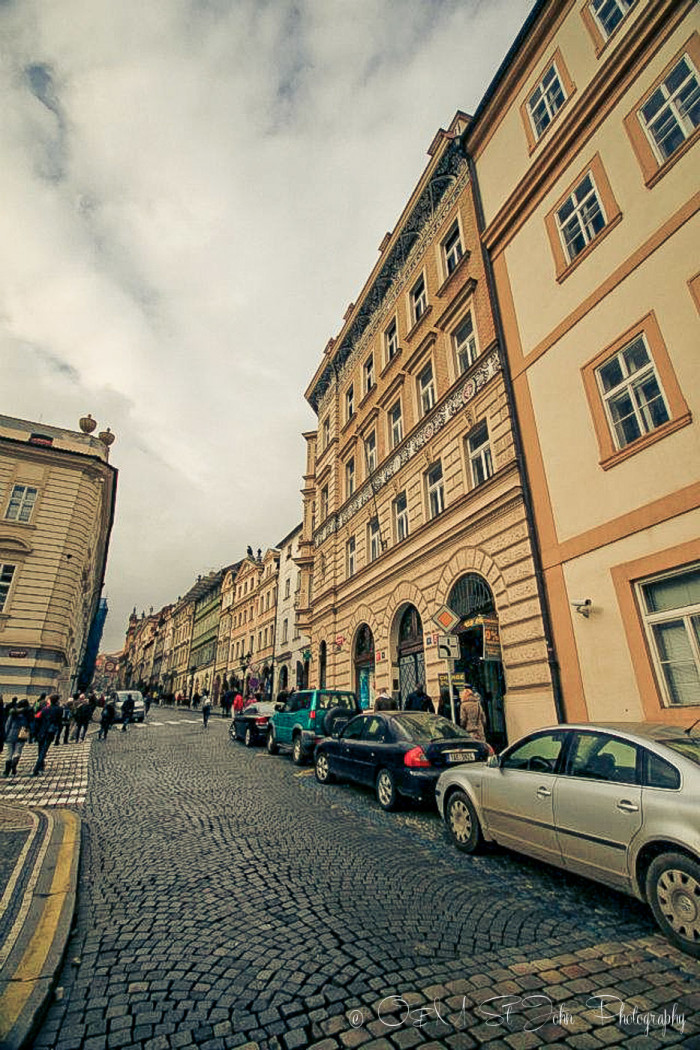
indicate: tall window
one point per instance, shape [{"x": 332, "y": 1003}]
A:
[
  {"x": 395, "y": 424},
  {"x": 349, "y": 402},
  {"x": 326, "y": 432},
  {"x": 633, "y": 399},
  {"x": 426, "y": 389},
  {"x": 544, "y": 102},
  {"x": 369, "y": 373},
  {"x": 419, "y": 299},
  {"x": 609, "y": 13},
  {"x": 374, "y": 545},
  {"x": 371, "y": 452},
  {"x": 285, "y": 629},
  {"x": 580, "y": 218},
  {"x": 672, "y": 113},
  {"x": 287, "y": 587},
  {"x": 480, "y": 459},
  {"x": 350, "y": 557},
  {"x": 436, "y": 490},
  {"x": 6, "y": 574},
  {"x": 391, "y": 340},
  {"x": 21, "y": 503},
  {"x": 671, "y": 610},
  {"x": 401, "y": 517},
  {"x": 465, "y": 344},
  {"x": 350, "y": 477},
  {"x": 324, "y": 502},
  {"x": 452, "y": 249}
]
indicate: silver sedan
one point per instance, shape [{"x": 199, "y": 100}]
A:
[{"x": 617, "y": 803}]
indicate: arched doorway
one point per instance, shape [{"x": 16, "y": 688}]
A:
[
  {"x": 284, "y": 676},
  {"x": 322, "y": 661},
  {"x": 410, "y": 652},
  {"x": 480, "y": 652},
  {"x": 300, "y": 675},
  {"x": 364, "y": 666}
]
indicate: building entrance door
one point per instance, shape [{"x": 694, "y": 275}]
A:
[
  {"x": 410, "y": 652},
  {"x": 364, "y": 666}
]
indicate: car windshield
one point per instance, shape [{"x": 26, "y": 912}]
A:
[
  {"x": 424, "y": 726},
  {"x": 688, "y": 746}
]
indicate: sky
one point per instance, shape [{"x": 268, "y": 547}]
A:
[{"x": 193, "y": 191}]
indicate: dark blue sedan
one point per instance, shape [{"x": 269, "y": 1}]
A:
[{"x": 398, "y": 753}]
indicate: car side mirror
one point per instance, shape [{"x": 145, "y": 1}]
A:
[{"x": 493, "y": 761}]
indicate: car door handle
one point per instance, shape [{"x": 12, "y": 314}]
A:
[
  {"x": 628, "y": 807},
  {"x": 543, "y": 792}
]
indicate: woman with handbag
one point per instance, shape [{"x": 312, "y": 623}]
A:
[{"x": 16, "y": 734}]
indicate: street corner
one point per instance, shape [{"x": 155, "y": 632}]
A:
[{"x": 36, "y": 915}]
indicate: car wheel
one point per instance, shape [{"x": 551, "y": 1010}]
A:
[
  {"x": 298, "y": 757},
  {"x": 673, "y": 892},
  {"x": 462, "y": 822},
  {"x": 386, "y": 790},
  {"x": 248, "y": 738},
  {"x": 323, "y": 769},
  {"x": 272, "y": 747}
]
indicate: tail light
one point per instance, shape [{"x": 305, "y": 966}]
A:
[
  {"x": 312, "y": 716},
  {"x": 416, "y": 758},
  {"x": 261, "y": 721},
  {"x": 490, "y": 749}
]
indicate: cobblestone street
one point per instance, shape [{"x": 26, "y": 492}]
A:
[{"x": 227, "y": 899}]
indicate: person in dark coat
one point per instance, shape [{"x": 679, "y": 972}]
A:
[
  {"x": 419, "y": 700},
  {"x": 383, "y": 702},
  {"x": 17, "y": 726},
  {"x": 47, "y": 725},
  {"x": 107, "y": 717},
  {"x": 83, "y": 717},
  {"x": 66, "y": 716},
  {"x": 127, "y": 711}
]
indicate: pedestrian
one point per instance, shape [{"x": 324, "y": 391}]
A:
[
  {"x": 206, "y": 707},
  {"x": 471, "y": 714},
  {"x": 238, "y": 703},
  {"x": 17, "y": 725},
  {"x": 109, "y": 713},
  {"x": 38, "y": 708},
  {"x": 64, "y": 727},
  {"x": 147, "y": 702},
  {"x": 419, "y": 700},
  {"x": 50, "y": 720},
  {"x": 127, "y": 711},
  {"x": 195, "y": 699},
  {"x": 384, "y": 702},
  {"x": 83, "y": 718}
]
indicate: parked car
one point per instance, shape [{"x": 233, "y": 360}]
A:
[
  {"x": 399, "y": 753},
  {"x": 619, "y": 804},
  {"x": 120, "y": 696},
  {"x": 250, "y": 725},
  {"x": 306, "y": 718}
]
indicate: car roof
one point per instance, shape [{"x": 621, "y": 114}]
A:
[{"x": 656, "y": 731}]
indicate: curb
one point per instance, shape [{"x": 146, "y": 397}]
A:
[{"x": 42, "y": 891}]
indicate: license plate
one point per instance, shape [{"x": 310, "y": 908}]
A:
[{"x": 460, "y": 756}]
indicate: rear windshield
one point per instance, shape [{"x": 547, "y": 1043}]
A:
[
  {"x": 427, "y": 727},
  {"x": 688, "y": 746},
  {"x": 328, "y": 700}
]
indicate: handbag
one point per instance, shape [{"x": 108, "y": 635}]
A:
[{"x": 23, "y": 734}]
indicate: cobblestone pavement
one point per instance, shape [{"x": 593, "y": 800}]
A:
[
  {"x": 63, "y": 784},
  {"x": 228, "y": 900}
]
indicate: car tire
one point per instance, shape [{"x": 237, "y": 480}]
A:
[
  {"x": 387, "y": 795},
  {"x": 462, "y": 822},
  {"x": 248, "y": 738},
  {"x": 673, "y": 893},
  {"x": 323, "y": 769},
  {"x": 298, "y": 756},
  {"x": 272, "y": 747},
  {"x": 335, "y": 719}
]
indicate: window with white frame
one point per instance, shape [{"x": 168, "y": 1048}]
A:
[
  {"x": 426, "y": 389},
  {"x": 324, "y": 502},
  {"x": 21, "y": 503},
  {"x": 452, "y": 249},
  {"x": 419, "y": 299},
  {"x": 350, "y": 402},
  {"x": 326, "y": 433},
  {"x": 672, "y": 113},
  {"x": 545, "y": 101},
  {"x": 6, "y": 574},
  {"x": 369, "y": 373},
  {"x": 609, "y": 13},
  {"x": 374, "y": 544},
  {"x": 350, "y": 557},
  {"x": 401, "y": 517},
  {"x": 391, "y": 340},
  {"x": 395, "y": 424},
  {"x": 465, "y": 344},
  {"x": 671, "y": 611},
  {"x": 580, "y": 218},
  {"x": 436, "y": 490},
  {"x": 371, "y": 452},
  {"x": 350, "y": 477},
  {"x": 631, "y": 392},
  {"x": 480, "y": 458}
]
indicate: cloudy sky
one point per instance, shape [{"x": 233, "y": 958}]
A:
[{"x": 192, "y": 193}]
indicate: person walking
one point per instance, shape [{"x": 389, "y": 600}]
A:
[
  {"x": 419, "y": 700},
  {"x": 384, "y": 702},
  {"x": 17, "y": 724},
  {"x": 471, "y": 714},
  {"x": 83, "y": 718},
  {"x": 206, "y": 707},
  {"x": 50, "y": 720},
  {"x": 107, "y": 717},
  {"x": 127, "y": 711}
]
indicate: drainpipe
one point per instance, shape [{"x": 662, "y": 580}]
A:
[{"x": 517, "y": 441}]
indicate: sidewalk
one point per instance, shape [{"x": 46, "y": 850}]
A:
[{"x": 39, "y": 854}]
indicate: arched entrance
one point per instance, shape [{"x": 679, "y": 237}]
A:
[
  {"x": 480, "y": 662},
  {"x": 284, "y": 676},
  {"x": 364, "y": 666},
  {"x": 410, "y": 652}
]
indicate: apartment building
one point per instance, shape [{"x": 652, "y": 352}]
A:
[{"x": 292, "y": 652}]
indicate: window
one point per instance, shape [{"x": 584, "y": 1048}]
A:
[
  {"x": 538, "y": 754},
  {"x": 369, "y": 373},
  {"x": 452, "y": 249},
  {"x": 672, "y": 113},
  {"x": 480, "y": 458},
  {"x": 21, "y": 503},
  {"x": 465, "y": 344},
  {"x": 350, "y": 557},
  {"x": 371, "y": 452},
  {"x": 395, "y": 424},
  {"x": 391, "y": 340},
  {"x": 324, "y": 502},
  {"x": 349, "y": 402},
  {"x": 350, "y": 477},
  {"x": 671, "y": 611},
  {"x": 426, "y": 389},
  {"x": 374, "y": 543},
  {"x": 6, "y": 574},
  {"x": 326, "y": 433},
  {"x": 629, "y": 386},
  {"x": 597, "y": 756},
  {"x": 285, "y": 629},
  {"x": 436, "y": 491},
  {"x": 544, "y": 102},
  {"x": 298, "y": 584},
  {"x": 609, "y": 13},
  {"x": 400, "y": 517},
  {"x": 581, "y": 218},
  {"x": 419, "y": 300}
]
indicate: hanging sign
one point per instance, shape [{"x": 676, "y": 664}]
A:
[{"x": 459, "y": 681}]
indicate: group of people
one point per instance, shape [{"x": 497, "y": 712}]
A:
[{"x": 469, "y": 710}]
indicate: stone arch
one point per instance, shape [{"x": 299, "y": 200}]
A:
[
  {"x": 405, "y": 594},
  {"x": 363, "y": 614},
  {"x": 472, "y": 559}
]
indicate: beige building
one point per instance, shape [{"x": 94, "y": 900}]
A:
[
  {"x": 57, "y": 494},
  {"x": 292, "y": 652},
  {"x": 413, "y": 499},
  {"x": 586, "y": 151}
]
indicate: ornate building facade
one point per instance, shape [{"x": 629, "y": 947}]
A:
[{"x": 292, "y": 652}]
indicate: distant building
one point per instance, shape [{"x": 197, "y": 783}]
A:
[
  {"x": 292, "y": 648},
  {"x": 57, "y": 496}
]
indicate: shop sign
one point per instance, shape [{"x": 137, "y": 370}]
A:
[
  {"x": 459, "y": 681},
  {"x": 18, "y": 654},
  {"x": 492, "y": 639}
]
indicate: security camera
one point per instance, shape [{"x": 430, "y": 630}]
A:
[{"x": 582, "y": 605}]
